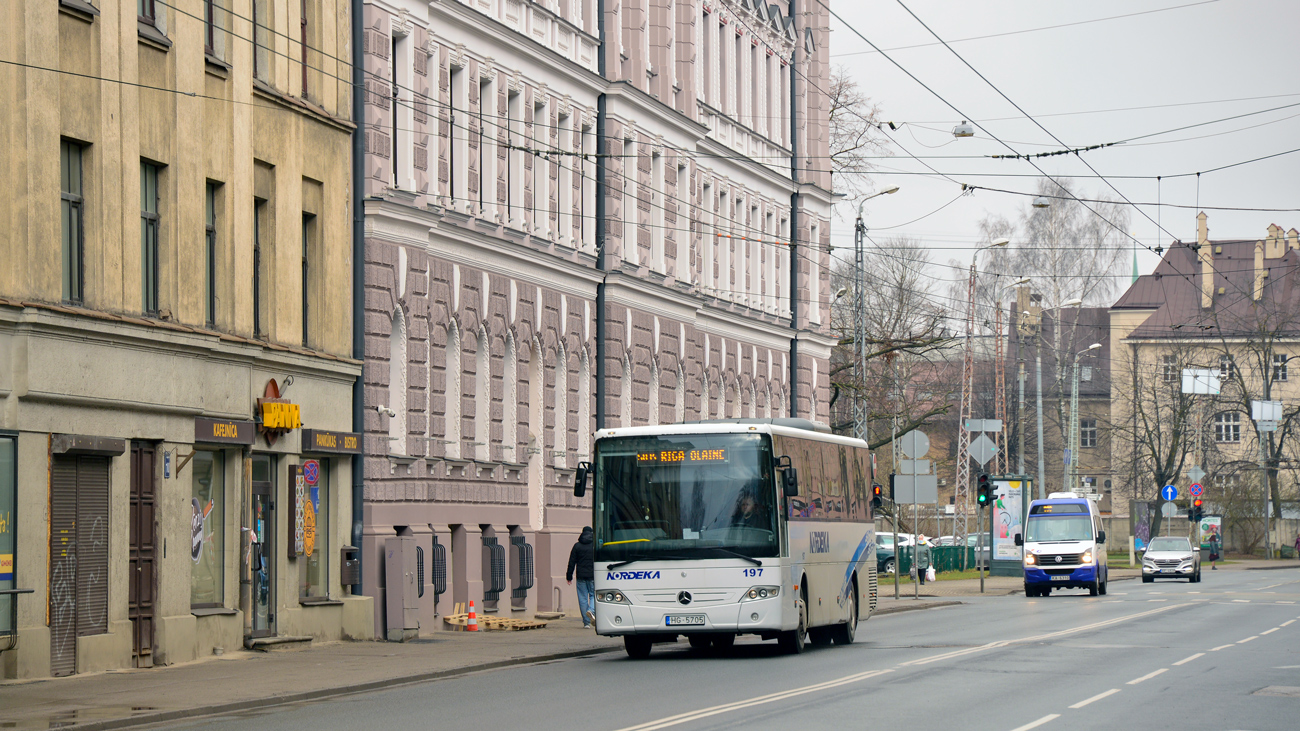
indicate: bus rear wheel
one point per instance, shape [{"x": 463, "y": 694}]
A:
[
  {"x": 794, "y": 641},
  {"x": 638, "y": 648}
]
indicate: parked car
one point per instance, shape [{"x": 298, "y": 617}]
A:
[
  {"x": 972, "y": 540},
  {"x": 885, "y": 561},
  {"x": 1171, "y": 557}
]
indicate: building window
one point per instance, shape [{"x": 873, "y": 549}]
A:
[
  {"x": 149, "y": 225},
  {"x": 259, "y": 220},
  {"x": 1087, "y": 432},
  {"x": 208, "y": 530},
  {"x": 304, "y": 27},
  {"x": 308, "y": 229},
  {"x": 211, "y": 257},
  {"x": 1279, "y": 366},
  {"x": 397, "y": 380},
  {"x": 73, "y": 222},
  {"x": 1227, "y": 367},
  {"x": 1168, "y": 368},
  {"x": 261, "y": 40},
  {"x": 146, "y": 10},
  {"x": 210, "y": 26},
  {"x": 313, "y": 565},
  {"x": 1227, "y": 427}
]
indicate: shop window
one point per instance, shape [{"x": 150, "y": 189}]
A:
[
  {"x": 313, "y": 565},
  {"x": 208, "y": 530}
]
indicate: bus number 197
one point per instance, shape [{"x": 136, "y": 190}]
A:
[{"x": 753, "y": 572}]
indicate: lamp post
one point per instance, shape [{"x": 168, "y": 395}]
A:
[
  {"x": 1073, "y": 465},
  {"x": 860, "y": 319},
  {"x": 1038, "y": 378},
  {"x": 1020, "y": 379},
  {"x": 967, "y": 387}
]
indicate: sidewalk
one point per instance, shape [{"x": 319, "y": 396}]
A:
[{"x": 244, "y": 680}]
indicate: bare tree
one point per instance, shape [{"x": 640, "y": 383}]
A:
[
  {"x": 855, "y": 136},
  {"x": 904, "y": 347}
]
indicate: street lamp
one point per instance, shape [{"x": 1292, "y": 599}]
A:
[
  {"x": 963, "y": 130},
  {"x": 1041, "y": 201},
  {"x": 1072, "y": 466},
  {"x": 859, "y": 317}
]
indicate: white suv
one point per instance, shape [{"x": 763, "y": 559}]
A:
[{"x": 1171, "y": 557}]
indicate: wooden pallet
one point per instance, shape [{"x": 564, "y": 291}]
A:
[{"x": 459, "y": 620}]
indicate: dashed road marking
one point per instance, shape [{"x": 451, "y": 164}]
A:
[
  {"x": 1248, "y": 639},
  {"x": 1241, "y": 601},
  {"x": 1039, "y": 722},
  {"x": 1097, "y": 697},
  {"x": 1189, "y": 659},
  {"x": 1220, "y": 647},
  {"x": 1289, "y": 621},
  {"x": 1269, "y": 631},
  {"x": 1157, "y": 600},
  {"x": 1148, "y": 676}
]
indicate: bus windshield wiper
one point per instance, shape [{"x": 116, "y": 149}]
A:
[
  {"x": 736, "y": 554},
  {"x": 648, "y": 557}
]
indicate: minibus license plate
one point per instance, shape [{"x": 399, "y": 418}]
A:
[
  {"x": 1060, "y": 578},
  {"x": 684, "y": 620}
]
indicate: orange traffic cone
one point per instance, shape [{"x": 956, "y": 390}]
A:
[{"x": 472, "y": 625}]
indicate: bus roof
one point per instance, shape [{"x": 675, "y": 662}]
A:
[{"x": 732, "y": 426}]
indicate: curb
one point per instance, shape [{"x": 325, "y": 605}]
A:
[
  {"x": 1269, "y": 568},
  {"x": 913, "y": 606},
  {"x": 323, "y": 693}
]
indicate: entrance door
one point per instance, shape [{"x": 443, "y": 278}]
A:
[
  {"x": 140, "y": 607},
  {"x": 263, "y": 554},
  {"x": 78, "y": 555}
]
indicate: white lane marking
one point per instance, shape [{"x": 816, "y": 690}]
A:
[
  {"x": 1148, "y": 676},
  {"x": 1097, "y": 697},
  {"x": 758, "y": 701},
  {"x": 1289, "y": 621},
  {"x": 1039, "y": 638},
  {"x": 1189, "y": 659},
  {"x": 1281, "y": 601},
  {"x": 1039, "y": 722},
  {"x": 1248, "y": 639},
  {"x": 1193, "y": 592},
  {"x": 1241, "y": 601},
  {"x": 1157, "y": 600},
  {"x": 1220, "y": 647},
  {"x": 1269, "y": 631},
  {"x": 1287, "y": 667}
]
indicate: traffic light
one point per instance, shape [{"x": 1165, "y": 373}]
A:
[
  {"x": 1197, "y": 511},
  {"x": 983, "y": 490},
  {"x": 877, "y": 494}
]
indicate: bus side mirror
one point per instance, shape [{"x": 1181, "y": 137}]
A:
[
  {"x": 580, "y": 479},
  {"x": 790, "y": 481},
  {"x": 1020, "y": 540},
  {"x": 1101, "y": 536}
]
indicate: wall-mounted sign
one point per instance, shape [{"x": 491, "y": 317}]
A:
[
  {"x": 341, "y": 442},
  {"x": 298, "y": 547},
  {"x": 276, "y": 416},
  {"x": 224, "y": 431}
]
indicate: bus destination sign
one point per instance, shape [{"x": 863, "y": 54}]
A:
[{"x": 683, "y": 456}]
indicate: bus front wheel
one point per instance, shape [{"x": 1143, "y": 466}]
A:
[
  {"x": 794, "y": 641},
  {"x": 638, "y": 648}
]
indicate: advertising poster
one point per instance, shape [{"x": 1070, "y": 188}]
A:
[
  {"x": 1008, "y": 512},
  {"x": 1140, "y": 514},
  {"x": 1211, "y": 525}
]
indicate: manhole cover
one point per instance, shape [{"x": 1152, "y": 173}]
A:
[{"x": 1281, "y": 691}]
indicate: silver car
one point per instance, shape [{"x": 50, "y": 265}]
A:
[{"x": 1171, "y": 557}]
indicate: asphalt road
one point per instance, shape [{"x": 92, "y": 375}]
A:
[{"x": 1222, "y": 654}]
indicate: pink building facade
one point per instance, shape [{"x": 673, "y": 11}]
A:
[{"x": 574, "y": 224}]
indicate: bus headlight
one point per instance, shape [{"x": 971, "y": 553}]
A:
[
  {"x": 611, "y": 596},
  {"x": 761, "y": 592},
  {"x": 1030, "y": 559}
]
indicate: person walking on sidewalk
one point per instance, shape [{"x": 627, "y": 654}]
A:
[
  {"x": 922, "y": 558},
  {"x": 1214, "y": 551},
  {"x": 1297, "y": 545},
  {"x": 582, "y": 559}
]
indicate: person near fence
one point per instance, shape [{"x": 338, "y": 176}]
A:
[
  {"x": 582, "y": 560},
  {"x": 922, "y": 562},
  {"x": 1214, "y": 551}
]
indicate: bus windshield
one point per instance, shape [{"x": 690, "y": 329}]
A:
[
  {"x": 1048, "y": 528},
  {"x": 685, "y": 496}
]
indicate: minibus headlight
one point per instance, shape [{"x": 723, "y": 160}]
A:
[
  {"x": 1087, "y": 556},
  {"x": 1030, "y": 559}
]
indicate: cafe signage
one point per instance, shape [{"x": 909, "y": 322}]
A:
[
  {"x": 224, "y": 431},
  {"x": 276, "y": 416},
  {"x": 341, "y": 442}
]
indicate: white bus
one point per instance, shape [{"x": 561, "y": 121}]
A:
[{"x": 723, "y": 528}]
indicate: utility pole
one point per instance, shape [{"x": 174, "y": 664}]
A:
[
  {"x": 961, "y": 491},
  {"x": 1000, "y": 394},
  {"x": 1038, "y": 388}
]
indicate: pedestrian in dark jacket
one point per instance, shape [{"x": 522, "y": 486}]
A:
[{"x": 582, "y": 558}]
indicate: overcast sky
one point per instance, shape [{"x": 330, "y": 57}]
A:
[{"x": 1189, "y": 63}]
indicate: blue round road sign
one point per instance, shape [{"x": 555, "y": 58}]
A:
[
  {"x": 1196, "y": 489},
  {"x": 1169, "y": 492}
]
